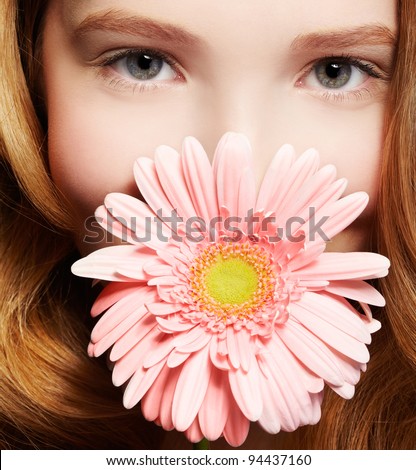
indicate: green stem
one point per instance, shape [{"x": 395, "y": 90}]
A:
[{"x": 202, "y": 445}]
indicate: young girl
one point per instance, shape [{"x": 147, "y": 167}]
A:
[{"x": 87, "y": 87}]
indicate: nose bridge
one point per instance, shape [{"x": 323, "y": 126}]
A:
[
  {"x": 241, "y": 107},
  {"x": 249, "y": 107}
]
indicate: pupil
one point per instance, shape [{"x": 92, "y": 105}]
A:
[
  {"x": 333, "y": 74},
  {"x": 144, "y": 66},
  {"x": 333, "y": 70},
  {"x": 144, "y": 62}
]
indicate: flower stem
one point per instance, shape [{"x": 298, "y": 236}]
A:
[{"x": 202, "y": 445}]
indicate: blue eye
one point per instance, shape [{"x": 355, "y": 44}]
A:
[
  {"x": 333, "y": 74},
  {"x": 142, "y": 66},
  {"x": 339, "y": 73},
  {"x": 343, "y": 78}
]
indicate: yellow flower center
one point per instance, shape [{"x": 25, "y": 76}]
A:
[{"x": 232, "y": 280}]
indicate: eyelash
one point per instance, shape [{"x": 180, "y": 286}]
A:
[
  {"x": 341, "y": 96},
  {"x": 122, "y": 84}
]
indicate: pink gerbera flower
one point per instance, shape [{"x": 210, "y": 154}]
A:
[{"x": 232, "y": 314}]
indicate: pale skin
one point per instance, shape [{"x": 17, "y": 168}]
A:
[{"x": 312, "y": 74}]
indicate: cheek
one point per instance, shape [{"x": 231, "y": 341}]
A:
[
  {"x": 357, "y": 154},
  {"x": 79, "y": 151},
  {"x": 350, "y": 139},
  {"x": 355, "y": 149},
  {"x": 92, "y": 148}
]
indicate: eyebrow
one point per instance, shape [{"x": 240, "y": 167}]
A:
[
  {"x": 365, "y": 35},
  {"x": 124, "y": 23}
]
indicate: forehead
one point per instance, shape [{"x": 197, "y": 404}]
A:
[{"x": 255, "y": 18}]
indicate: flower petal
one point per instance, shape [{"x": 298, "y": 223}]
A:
[
  {"x": 303, "y": 257},
  {"x": 167, "y": 399},
  {"x": 316, "y": 399},
  {"x": 351, "y": 370},
  {"x": 161, "y": 352},
  {"x": 163, "y": 281},
  {"x": 163, "y": 308},
  {"x": 176, "y": 358},
  {"x": 151, "y": 401},
  {"x": 311, "y": 382},
  {"x": 171, "y": 176},
  {"x": 293, "y": 392},
  {"x": 232, "y": 348},
  {"x": 345, "y": 391},
  {"x": 114, "y": 292},
  {"x": 237, "y": 427},
  {"x": 275, "y": 176},
  {"x": 191, "y": 389},
  {"x": 132, "y": 361},
  {"x": 139, "y": 384},
  {"x": 269, "y": 420},
  {"x": 332, "y": 336},
  {"x": 232, "y": 156},
  {"x": 116, "y": 228},
  {"x": 199, "y": 179},
  {"x": 138, "y": 218},
  {"x": 325, "y": 309},
  {"x": 280, "y": 405},
  {"x": 173, "y": 325},
  {"x": 339, "y": 215},
  {"x": 219, "y": 361},
  {"x": 246, "y": 391},
  {"x": 310, "y": 351},
  {"x": 244, "y": 346},
  {"x": 194, "y": 433},
  {"x": 323, "y": 200},
  {"x": 246, "y": 196},
  {"x": 301, "y": 170},
  {"x": 189, "y": 337},
  {"x": 216, "y": 406},
  {"x": 103, "y": 263},
  {"x": 148, "y": 182},
  {"x": 356, "y": 290},
  {"x": 115, "y": 334},
  {"x": 196, "y": 344},
  {"x": 157, "y": 268},
  {"x": 308, "y": 192},
  {"x": 131, "y": 305},
  {"x": 342, "y": 266},
  {"x": 133, "y": 336}
]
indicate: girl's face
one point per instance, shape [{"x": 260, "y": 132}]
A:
[{"x": 122, "y": 77}]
